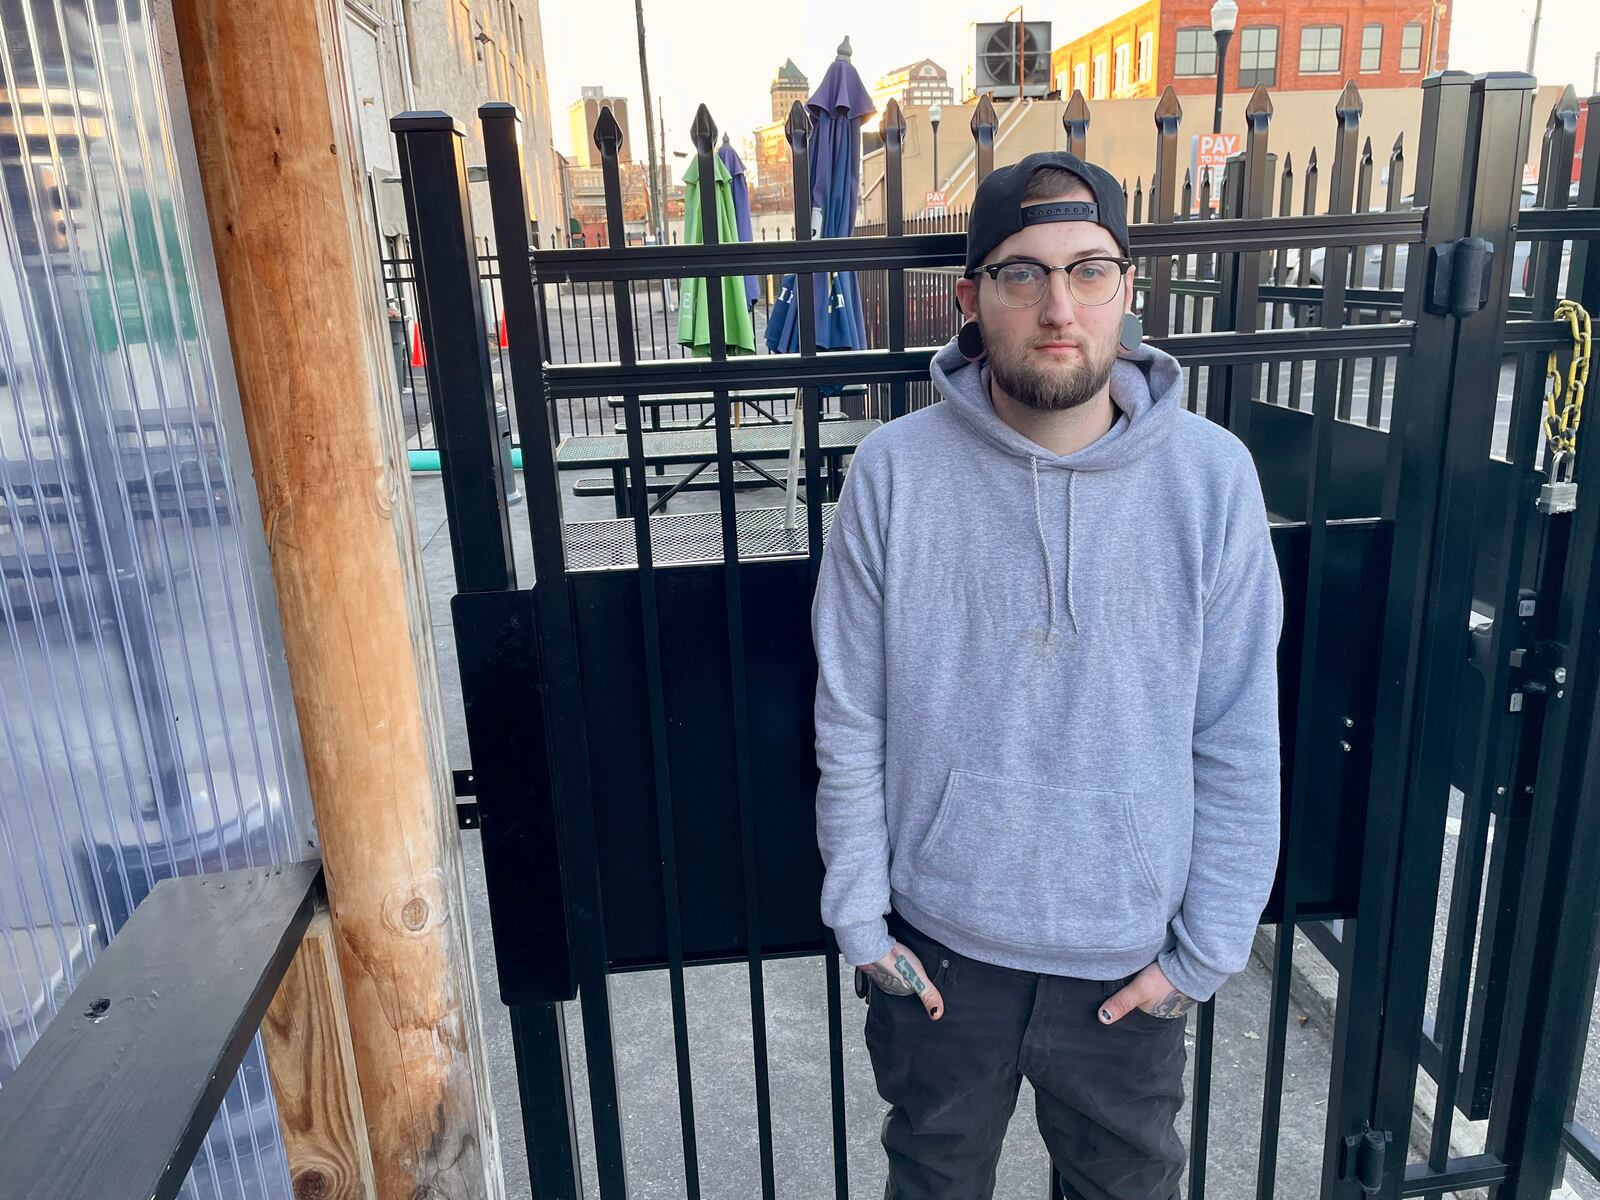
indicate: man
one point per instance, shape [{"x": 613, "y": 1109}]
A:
[{"x": 1046, "y": 715}]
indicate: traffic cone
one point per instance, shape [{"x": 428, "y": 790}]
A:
[
  {"x": 419, "y": 356},
  {"x": 503, "y": 343}
]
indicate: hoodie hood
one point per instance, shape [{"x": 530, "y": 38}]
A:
[{"x": 1146, "y": 389}]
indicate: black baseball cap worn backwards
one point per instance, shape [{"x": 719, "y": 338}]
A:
[{"x": 997, "y": 210}]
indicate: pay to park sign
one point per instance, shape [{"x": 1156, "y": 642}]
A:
[{"x": 1212, "y": 149}]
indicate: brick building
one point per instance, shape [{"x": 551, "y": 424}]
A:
[{"x": 1312, "y": 46}]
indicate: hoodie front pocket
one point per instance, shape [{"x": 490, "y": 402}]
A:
[{"x": 1038, "y": 865}]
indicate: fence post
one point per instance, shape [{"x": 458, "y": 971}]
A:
[
  {"x": 1556, "y": 930},
  {"x": 523, "y": 832},
  {"x": 894, "y": 136},
  {"x": 1163, "y": 189},
  {"x": 432, "y": 154},
  {"x": 1469, "y": 179},
  {"x": 984, "y": 123},
  {"x": 1075, "y": 120}
]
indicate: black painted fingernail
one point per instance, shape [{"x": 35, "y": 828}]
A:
[{"x": 1105, "y": 1015}]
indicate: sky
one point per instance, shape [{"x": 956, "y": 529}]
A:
[{"x": 724, "y": 53}]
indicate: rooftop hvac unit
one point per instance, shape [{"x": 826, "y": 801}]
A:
[{"x": 996, "y": 58}]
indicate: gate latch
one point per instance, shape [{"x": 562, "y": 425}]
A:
[
  {"x": 1362, "y": 1158},
  {"x": 1458, "y": 276}
]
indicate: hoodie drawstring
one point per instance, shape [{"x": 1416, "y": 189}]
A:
[
  {"x": 1044, "y": 544},
  {"x": 1072, "y": 544}
]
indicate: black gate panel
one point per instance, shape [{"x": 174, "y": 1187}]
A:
[{"x": 781, "y": 668}]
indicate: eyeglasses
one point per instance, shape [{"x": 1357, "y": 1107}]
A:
[{"x": 1022, "y": 282}]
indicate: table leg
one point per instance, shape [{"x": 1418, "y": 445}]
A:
[{"x": 619, "y": 489}]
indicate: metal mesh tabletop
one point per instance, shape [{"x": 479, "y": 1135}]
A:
[
  {"x": 682, "y": 538},
  {"x": 700, "y": 445}
]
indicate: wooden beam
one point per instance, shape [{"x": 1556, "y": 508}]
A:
[
  {"x": 280, "y": 169},
  {"x": 116, "y": 1096},
  {"x": 306, "y": 1034}
]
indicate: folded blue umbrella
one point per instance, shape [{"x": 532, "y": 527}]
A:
[
  {"x": 836, "y": 108},
  {"x": 739, "y": 188}
]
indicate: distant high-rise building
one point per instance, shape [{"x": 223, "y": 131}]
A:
[
  {"x": 581, "y": 117},
  {"x": 773, "y": 189},
  {"x": 788, "y": 86},
  {"x": 921, "y": 84}
]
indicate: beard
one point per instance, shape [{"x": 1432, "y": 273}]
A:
[{"x": 1051, "y": 387}]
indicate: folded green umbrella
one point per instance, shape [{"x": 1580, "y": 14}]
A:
[{"x": 694, "y": 319}]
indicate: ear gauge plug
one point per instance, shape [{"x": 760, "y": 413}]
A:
[
  {"x": 1131, "y": 334},
  {"x": 970, "y": 341}
]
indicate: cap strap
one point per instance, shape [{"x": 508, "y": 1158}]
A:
[{"x": 1066, "y": 210}]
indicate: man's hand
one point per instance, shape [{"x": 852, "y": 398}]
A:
[
  {"x": 1150, "y": 990},
  {"x": 900, "y": 973}
]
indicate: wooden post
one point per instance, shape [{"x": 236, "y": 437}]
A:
[
  {"x": 306, "y": 1034},
  {"x": 280, "y": 171}
]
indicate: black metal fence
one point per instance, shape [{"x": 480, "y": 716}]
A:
[{"x": 1438, "y": 666}]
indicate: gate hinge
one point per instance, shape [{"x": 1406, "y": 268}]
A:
[
  {"x": 1362, "y": 1158},
  {"x": 466, "y": 786},
  {"x": 1458, "y": 276}
]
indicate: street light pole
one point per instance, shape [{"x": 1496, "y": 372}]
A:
[
  {"x": 933, "y": 119},
  {"x": 1224, "y": 15},
  {"x": 1533, "y": 34}
]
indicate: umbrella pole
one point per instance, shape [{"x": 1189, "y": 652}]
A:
[{"x": 792, "y": 490}]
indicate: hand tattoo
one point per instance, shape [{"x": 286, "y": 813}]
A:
[
  {"x": 1176, "y": 1004},
  {"x": 903, "y": 980}
]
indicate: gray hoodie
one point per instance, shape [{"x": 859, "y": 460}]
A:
[{"x": 1046, "y": 711}]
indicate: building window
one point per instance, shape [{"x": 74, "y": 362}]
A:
[
  {"x": 1371, "y": 48},
  {"x": 1411, "y": 48},
  {"x": 1146, "y": 44},
  {"x": 1319, "y": 49},
  {"x": 1080, "y": 77},
  {"x": 1196, "y": 52},
  {"x": 1099, "y": 77},
  {"x": 1122, "y": 56},
  {"x": 1258, "y": 56}
]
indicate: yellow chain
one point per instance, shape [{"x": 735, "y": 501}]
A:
[{"x": 1564, "y": 401}]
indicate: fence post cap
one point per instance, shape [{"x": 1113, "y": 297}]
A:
[
  {"x": 983, "y": 116},
  {"x": 1349, "y": 105},
  {"x": 1078, "y": 108},
  {"x": 426, "y": 121},
  {"x": 498, "y": 110},
  {"x": 1168, "y": 109},
  {"x": 1259, "y": 106},
  {"x": 703, "y": 131},
  {"x": 1505, "y": 81},
  {"x": 893, "y": 126},
  {"x": 797, "y": 125},
  {"x": 607, "y": 133}
]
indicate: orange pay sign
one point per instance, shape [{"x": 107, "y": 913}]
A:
[{"x": 1213, "y": 149}]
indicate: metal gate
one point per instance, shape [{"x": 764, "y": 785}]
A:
[{"x": 1438, "y": 666}]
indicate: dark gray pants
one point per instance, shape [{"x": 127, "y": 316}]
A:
[{"x": 1106, "y": 1096}]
